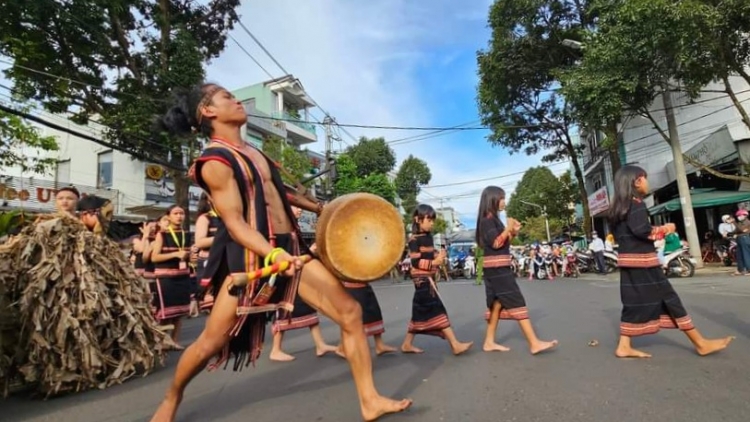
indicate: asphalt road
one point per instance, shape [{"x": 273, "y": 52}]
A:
[{"x": 576, "y": 383}]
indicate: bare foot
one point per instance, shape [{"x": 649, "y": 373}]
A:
[
  {"x": 325, "y": 349},
  {"x": 376, "y": 408},
  {"x": 713, "y": 346},
  {"x": 629, "y": 352},
  {"x": 166, "y": 411},
  {"x": 461, "y": 348},
  {"x": 411, "y": 349},
  {"x": 279, "y": 356},
  {"x": 381, "y": 350},
  {"x": 494, "y": 347},
  {"x": 340, "y": 352},
  {"x": 542, "y": 346}
]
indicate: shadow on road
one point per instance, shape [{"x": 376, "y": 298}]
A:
[{"x": 727, "y": 319}]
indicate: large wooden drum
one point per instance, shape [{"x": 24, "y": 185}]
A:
[{"x": 360, "y": 237}]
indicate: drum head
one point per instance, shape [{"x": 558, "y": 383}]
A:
[{"x": 360, "y": 237}]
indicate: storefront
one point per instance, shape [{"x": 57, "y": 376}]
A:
[
  {"x": 598, "y": 207},
  {"x": 711, "y": 196}
]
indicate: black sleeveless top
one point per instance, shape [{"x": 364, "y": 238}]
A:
[
  {"x": 250, "y": 185},
  {"x": 213, "y": 226},
  {"x": 172, "y": 241},
  {"x": 490, "y": 230}
]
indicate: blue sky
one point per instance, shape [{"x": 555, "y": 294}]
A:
[
  {"x": 390, "y": 62},
  {"x": 386, "y": 63}
]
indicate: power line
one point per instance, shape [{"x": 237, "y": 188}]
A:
[
  {"x": 502, "y": 176},
  {"x": 88, "y": 138}
]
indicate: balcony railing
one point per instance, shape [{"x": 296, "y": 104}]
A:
[
  {"x": 295, "y": 121},
  {"x": 591, "y": 156}
]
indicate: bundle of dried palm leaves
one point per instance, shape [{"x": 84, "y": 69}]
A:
[{"x": 74, "y": 314}]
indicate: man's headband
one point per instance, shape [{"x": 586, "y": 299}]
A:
[{"x": 206, "y": 100}]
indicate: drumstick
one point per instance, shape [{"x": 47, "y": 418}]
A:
[{"x": 276, "y": 268}]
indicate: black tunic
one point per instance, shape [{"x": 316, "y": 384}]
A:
[
  {"x": 500, "y": 281},
  {"x": 229, "y": 258},
  {"x": 173, "y": 285},
  {"x": 428, "y": 314},
  {"x": 649, "y": 302}
]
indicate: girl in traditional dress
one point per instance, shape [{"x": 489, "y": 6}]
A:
[
  {"x": 205, "y": 229},
  {"x": 372, "y": 317},
  {"x": 504, "y": 297},
  {"x": 649, "y": 302},
  {"x": 428, "y": 314},
  {"x": 170, "y": 257},
  {"x": 303, "y": 316}
]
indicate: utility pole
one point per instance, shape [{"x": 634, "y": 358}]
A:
[
  {"x": 327, "y": 184},
  {"x": 544, "y": 214},
  {"x": 691, "y": 231}
]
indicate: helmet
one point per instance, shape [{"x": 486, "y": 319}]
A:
[
  {"x": 741, "y": 212},
  {"x": 725, "y": 218}
]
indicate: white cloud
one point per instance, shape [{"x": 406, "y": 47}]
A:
[{"x": 368, "y": 63}]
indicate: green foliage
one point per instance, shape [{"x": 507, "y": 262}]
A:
[
  {"x": 378, "y": 184},
  {"x": 8, "y": 221},
  {"x": 641, "y": 45},
  {"x": 412, "y": 174},
  {"x": 15, "y": 135},
  {"x": 534, "y": 229},
  {"x": 130, "y": 56},
  {"x": 539, "y": 186},
  {"x": 440, "y": 225},
  {"x": 519, "y": 72},
  {"x": 294, "y": 161},
  {"x": 372, "y": 156},
  {"x": 348, "y": 181},
  {"x": 346, "y": 172}
]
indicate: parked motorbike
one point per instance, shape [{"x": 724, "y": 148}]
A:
[
  {"x": 571, "y": 269},
  {"x": 456, "y": 267},
  {"x": 541, "y": 270},
  {"x": 679, "y": 263},
  {"x": 728, "y": 252}
]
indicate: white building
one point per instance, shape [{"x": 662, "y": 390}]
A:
[
  {"x": 141, "y": 190},
  {"x": 451, "y": 217},
  {"x": 711, "y": 131}
]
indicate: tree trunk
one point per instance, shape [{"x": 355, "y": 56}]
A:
[
  {"x": 737, "y": 104},
  {"x": 614, "y": 148},
  {"x": 181, "y": 189},
  {"x": 691, "y": 231}
]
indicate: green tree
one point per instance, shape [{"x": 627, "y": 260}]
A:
[
  {"x": 295, "y": 162},
  {"x": 534, "y": 229},
  {"x": 540, "y": 186},
  {"x": 16, "y": 135},
  {"x": 440, "y": 226},
  {"x": 412, "y": 174},
  {"x": 372, "y": 156},
  {"x": 519, "y": 77},
  {"x": 118, "y": 61},
  {"x": 643, "y": 50},
  {"x": 348, "y": 181},
  {"x": 379, "y": 184}
]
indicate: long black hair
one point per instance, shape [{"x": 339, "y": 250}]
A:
[
  {"x": 182, "y": 118},
  {"x": 489, "y": 205},
  {"x": 204, "y": 204},
  {"x": 625, "y": 191},
  {"x": 420, "y": 213}
]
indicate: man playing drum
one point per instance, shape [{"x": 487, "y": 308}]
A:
[{"x": 252, "y": 202}]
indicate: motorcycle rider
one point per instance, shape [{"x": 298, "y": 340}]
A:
[
  {"x": 726, "y": 231},
  {"x": 672, "y": 243}
]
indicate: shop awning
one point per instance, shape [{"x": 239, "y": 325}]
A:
[{"x": 703, "y": 198}]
